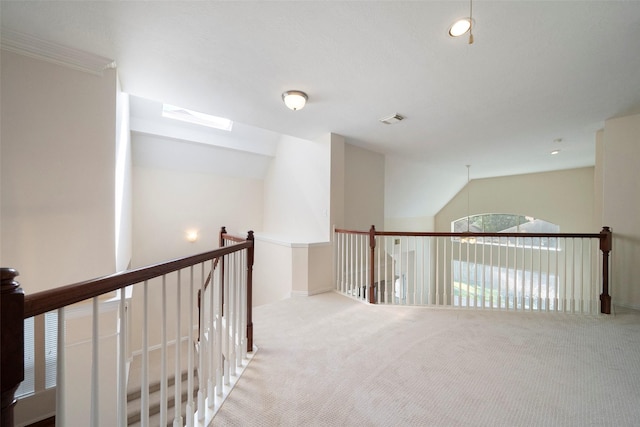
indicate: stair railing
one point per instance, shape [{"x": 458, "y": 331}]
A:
[
  {"x": 178, "y": 275},
  {"x": 510, "y": 271}
]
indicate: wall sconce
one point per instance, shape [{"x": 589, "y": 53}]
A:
[
  {"x": 191, "y": 235},
  {"x": 295, "y": 99}
]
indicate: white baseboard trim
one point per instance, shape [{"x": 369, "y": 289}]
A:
[
  {"x": 157, "y": 347},
  {"x": 308, "y": 294},
  {"x": 617, "y": 304}
]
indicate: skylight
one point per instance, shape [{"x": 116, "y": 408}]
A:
[{"x": 195, "y": 117}]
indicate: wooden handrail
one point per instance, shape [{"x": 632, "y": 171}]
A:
[
  {"x": 53, "y": 299},
  {"x": 467, "y": 234}
]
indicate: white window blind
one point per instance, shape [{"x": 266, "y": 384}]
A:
[
  {"x": 31, "y": 359},
  {"x": 28, "y": 385}
]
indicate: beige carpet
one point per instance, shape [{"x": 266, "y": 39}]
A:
[{"x": 328, "y": 360}]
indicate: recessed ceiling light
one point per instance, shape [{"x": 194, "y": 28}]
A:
[
  {"x": 554, "y": 152},
  {"x": 195, "y": 117},
  {"x": 392, "y": 119}
]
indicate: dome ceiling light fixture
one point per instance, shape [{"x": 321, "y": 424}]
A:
[
  {"x": 463, "y": 25},
  {"x": 295, "y": 99}
]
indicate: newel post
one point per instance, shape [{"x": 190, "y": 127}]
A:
[
  {"x": 250, "y": 257},
  {"x": 12, "y": 341},
  {"x": 372, "y": 257},
  {"x": 606, "y": 240}
]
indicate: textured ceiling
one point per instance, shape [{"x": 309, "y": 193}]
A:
[{"x": 538, "y": 71}]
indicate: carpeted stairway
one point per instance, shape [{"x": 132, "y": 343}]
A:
[{"x": 134, "y": 391}]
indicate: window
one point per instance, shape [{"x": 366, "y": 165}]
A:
[
  {"x": 195, "y": 117},
  {"x": 48, "y": 358},
  {"x": 507, "y": 223}
]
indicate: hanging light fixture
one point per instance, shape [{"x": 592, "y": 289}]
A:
[
  {"x": 464, "y": 25},
  {"x": 295, "y": 99}
]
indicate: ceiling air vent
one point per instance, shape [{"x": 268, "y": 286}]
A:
[{"x": 392, "y": 119}]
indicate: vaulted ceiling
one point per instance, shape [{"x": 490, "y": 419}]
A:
[{"x": 541, "y": 75}]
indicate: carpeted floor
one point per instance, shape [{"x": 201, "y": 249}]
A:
[{"x": 328, "y": 360}]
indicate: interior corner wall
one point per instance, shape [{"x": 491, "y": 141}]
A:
[
  {"x": 562, "y": 197},
  {"x": 408, "y": 204},
  {"x": 621, "y": 206},
  {"x": 123, "y": 185},
  {"x": 57, "y": 172},
  {"x": 337, "y": 200},
  {"x": 297, "y": 190},
  {"x": 363, "y": 188},
  {"x": 598, "y": 180}
]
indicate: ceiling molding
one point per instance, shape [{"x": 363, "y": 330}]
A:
[{"x": 33, "y": 47}]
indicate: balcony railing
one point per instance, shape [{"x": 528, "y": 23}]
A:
[
  {"x": 164, "y": 298},
  {"x": 507, "y": 271}
]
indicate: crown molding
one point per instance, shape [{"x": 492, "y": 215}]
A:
[{"x": 33, "y": 47}]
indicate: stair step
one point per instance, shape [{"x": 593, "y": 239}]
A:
[
  {"x": 134, "y": 389},
  {"x": 134, "y": 409}
]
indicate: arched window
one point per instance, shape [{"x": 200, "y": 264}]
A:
[{"x": 507, "y": 223}]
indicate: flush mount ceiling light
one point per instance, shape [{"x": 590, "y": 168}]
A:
[
  {"x": 463, "y": 25},
  {"x": 392, "y": 119},
  {"x": 295, "y": 99}
]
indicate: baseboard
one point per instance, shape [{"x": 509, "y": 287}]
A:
[
  {"x": 629, "y": 306},
  {"x": 157, "y": 347},
  {"x": 308, "y": 294}
]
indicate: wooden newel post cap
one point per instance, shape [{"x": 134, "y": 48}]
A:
[{"x": 606, "y": 239}]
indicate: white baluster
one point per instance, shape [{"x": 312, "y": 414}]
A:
[
  {"x": 231, "y": 321},
  {"x": 243, "y": 308},
  {"x": 163, "y": 355},
  {"x": 144, "y": 399},
  {"x": 122, "y": 380},
  {"x": 177, "y": 385},
  {"x": 437, "y": 276},
  {"x": 189, "y": 408},
  {"x": 211, "y": 343},
  {"x": 201, "y": 349},
  {"x": 95, "y": 365},
  {"x": 60, "y": 372},
  {"x": 217, "y": 313},
  {"x": 225, "y": 311}
]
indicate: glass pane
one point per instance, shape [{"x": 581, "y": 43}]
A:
[
  {"x": 28, "y": 385},
  {"x": 50, "y": 347}
]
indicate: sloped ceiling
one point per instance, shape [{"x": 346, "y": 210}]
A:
[{"x": 539, "y": 71}]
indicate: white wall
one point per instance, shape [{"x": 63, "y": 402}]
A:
[
  {"x": 57, "y": 178},
  {"x": 297, "y": 191},
  {"x": 561, "y": 197},
  {"x": 408, "y": 205},
  {"x": 58, "y": 163},
  {"x": 272, "y": 270},
  {"x": 337, "y": 199},
  {"x": 181, "y": 186},
  {"x": 363, "y": 188},
  {"x": 170, "y": 197},
  {"x": 621, "y": 210}
]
